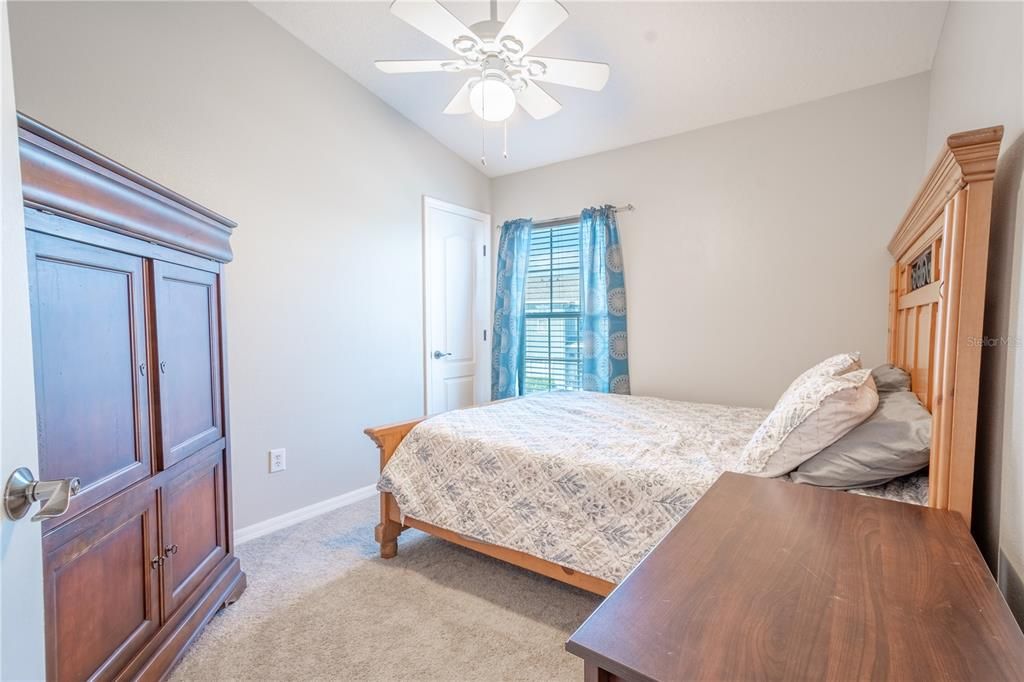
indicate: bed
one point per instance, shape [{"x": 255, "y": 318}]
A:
[{"x": 580, "y": 486}]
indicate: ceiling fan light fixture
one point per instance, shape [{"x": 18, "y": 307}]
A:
[{"x": 492, "y": 100}]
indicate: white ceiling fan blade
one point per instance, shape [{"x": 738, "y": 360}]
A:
[
  {"x": 434, "y": 20},
  {"x": 531, "y": 21},
  {"x": 572, "y": 72},
  {"x": 537, "y": 102},
  {"x": 460, "y": 103},
  {"x": 417, "y": 65}
]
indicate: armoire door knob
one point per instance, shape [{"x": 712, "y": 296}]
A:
[
  {"x": 156, "y": 562},
  {"x": 170, "y": 549}
]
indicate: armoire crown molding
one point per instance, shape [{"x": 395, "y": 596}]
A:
[{"x": 67, "y": 178}]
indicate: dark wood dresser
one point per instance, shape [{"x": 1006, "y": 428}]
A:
[
  {"x": 769, "y": 580},
  {"x": 125, "y": 281}
]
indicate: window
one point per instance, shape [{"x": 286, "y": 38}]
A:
[{"x": 551, "y": 354}]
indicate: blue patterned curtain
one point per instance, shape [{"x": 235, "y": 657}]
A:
[
  {"x": 603, "y": 338},
  {"x": 510, "y": 308}
]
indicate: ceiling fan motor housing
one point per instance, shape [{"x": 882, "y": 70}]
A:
[{"x": 488, "y": 29}]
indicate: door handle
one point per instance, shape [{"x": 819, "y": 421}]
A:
[
  {"x": 438, "y": 355},
  {"x": 23, "y": 490}
]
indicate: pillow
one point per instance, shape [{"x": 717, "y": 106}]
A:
[
  {"x": 807, "y": 419},
  {"x": 894, "y": 441},
  {"x": 833, "y": 366},
  {"x": 890, "y": 378}
]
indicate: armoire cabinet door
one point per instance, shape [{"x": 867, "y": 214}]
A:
[
  {"x": 89, "y": 338},
  {"x": 188, "y": 358},
  {"x": 194, "y": 527},
  {"x": 101, "y": 587}
]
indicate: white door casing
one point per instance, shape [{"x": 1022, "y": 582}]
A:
[{"x": 456, "y": 306}]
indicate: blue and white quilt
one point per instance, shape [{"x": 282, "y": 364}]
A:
[{"x": 590, "y": 481}]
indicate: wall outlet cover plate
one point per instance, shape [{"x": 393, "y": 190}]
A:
[{"x": 278, "y": 461}]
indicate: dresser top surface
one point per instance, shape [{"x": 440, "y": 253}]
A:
[{"x": 770, "y": 579}]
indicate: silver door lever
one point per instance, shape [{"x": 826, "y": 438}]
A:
[
  {"x": 23, "y": 490},
  {"x": 438, "y": 355}
]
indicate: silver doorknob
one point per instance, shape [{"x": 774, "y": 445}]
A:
[
  {"x": 438, "y": 355},
  {"x": 23, "y": 490}
]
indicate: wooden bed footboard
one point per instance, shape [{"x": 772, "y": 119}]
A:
[{"x": 391, "y": 525}]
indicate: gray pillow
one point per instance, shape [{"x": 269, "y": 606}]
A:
[
  {"x": 890, "y": 378},
  {"x": 894, "y": 441}
]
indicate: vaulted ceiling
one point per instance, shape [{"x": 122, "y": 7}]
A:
[{"x": 675, "y": 66}]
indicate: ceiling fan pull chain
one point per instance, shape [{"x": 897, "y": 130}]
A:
[
  {"x": 483, "y": 127},
  {"x": 483, "y": 143},
  {"x": 505, "y": 152}
]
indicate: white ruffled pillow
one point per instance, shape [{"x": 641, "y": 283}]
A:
[
  {"x": 834, "y": 366},
  {"x": 810, "y": 416}
]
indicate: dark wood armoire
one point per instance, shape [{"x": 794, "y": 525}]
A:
[{"x": 125, "y": 280}]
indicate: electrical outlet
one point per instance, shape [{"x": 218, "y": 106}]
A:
[{"x": 277, "y": 460}]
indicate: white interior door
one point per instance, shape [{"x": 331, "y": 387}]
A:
[
  {"x": 22, "y": 650},
  {"x": 457, "y": 298}
]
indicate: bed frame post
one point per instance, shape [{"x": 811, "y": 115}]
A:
[
  {"x": 936, "y": 330},
  {"x": 387, "y": 531},
  {"x": 390, "y": 527}
]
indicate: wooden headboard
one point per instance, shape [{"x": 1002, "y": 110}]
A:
[{"x": 937, "y": 304}]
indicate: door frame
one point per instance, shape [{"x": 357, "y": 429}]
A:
[{"x": 485, "y": 220}]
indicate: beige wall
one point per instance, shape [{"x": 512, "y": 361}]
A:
[
  {"x": 976, "y": 81},
  {"x": 757, "y": 246},
  {"x": 325, "y": 180},
  {"x": 21, "y": 586}
]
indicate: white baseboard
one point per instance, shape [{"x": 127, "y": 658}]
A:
[{"x": 304, "y": 514}]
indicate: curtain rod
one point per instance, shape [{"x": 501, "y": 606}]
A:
[{"x": 569, "y": 218}]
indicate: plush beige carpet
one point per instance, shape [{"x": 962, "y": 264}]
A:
[{"x": 321, "y": 605}]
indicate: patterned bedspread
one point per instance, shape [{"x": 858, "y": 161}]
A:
[{"x": 590, "y": 481}]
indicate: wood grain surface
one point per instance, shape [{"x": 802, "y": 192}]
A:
[{"x": 766, "y": 579}]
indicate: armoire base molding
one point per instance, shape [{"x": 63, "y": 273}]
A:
[{"x": 223, "y": 591}]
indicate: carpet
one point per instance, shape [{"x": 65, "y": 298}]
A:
[{"x": 322, "y": 605}]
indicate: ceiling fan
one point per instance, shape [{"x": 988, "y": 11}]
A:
[{"x": 497, "y": 55}]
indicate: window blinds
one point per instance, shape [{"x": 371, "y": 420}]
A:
[{"x": 551, "y": 356}]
